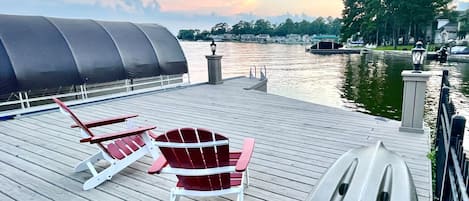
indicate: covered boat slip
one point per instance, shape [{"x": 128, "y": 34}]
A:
[
  {"x": 296, "y": 142},
  {"x": 42, "y": 52}
]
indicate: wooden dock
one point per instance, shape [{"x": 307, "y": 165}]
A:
[{"x": 295, "y": 144}]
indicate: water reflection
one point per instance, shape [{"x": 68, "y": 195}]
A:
[
  {"x": 371, "y": 84},
  {"x": 374, "y": 85}
]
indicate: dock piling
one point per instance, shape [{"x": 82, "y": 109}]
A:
[
  {"x": 214, "y": 69},
  {"x": 415, "y": 84}
]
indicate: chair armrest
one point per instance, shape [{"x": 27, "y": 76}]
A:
[
  {"x": 112, "y": 136},
  {"x": 246, "y": 154},
  {"x": 107, "y": 121},
  {"x": 158, "y": 165}
]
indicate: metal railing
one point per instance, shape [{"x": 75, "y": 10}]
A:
[
  {"x": 25, "y": 100},
  {"x": 262, "y": 72},
  {"x": 452, "y": 167}
]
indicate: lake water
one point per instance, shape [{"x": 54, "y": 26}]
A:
[{"x": 370, "y": 84}]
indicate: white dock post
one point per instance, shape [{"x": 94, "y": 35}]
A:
[{"x": 413, "y": 100}]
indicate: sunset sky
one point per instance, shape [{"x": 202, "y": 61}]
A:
[{"x": 177, "y": 14}]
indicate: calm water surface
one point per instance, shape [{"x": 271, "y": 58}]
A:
[{"x": 371, "y": 84}]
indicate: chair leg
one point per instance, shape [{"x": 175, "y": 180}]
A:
[
  {"x": 149, "y": 146},
  {"x": 99, "y": 178},
  {"x": 247, "y": 177},
  {"x": 92, "y": 159},
  {"x": 240, "y": 196},
  {"x": 173, "y": 197}
]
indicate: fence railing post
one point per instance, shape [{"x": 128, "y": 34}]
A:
[
  {"x": 451, "y": 163},
  {"x": 443, "y": 95},
  {"x": 458, "y": 124}
]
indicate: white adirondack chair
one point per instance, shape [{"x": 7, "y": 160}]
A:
[
  {"x": 202, "y": 163},
  {"x": 120, "y": 149}
]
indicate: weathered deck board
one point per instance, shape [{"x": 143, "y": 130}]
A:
[{"x": 295, "y": 143}]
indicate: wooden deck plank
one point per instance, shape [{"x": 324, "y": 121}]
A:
[
  {"x": 62, "y": 143},
  {"x": 12, "y": 190},
  {"x": 342, "y": 146},
  {"x": 189, "y": 117},
  {"x": 277, "y": 120},
  {"x": 296, "y": 141},
  {"x": 24, "y": 172},
  {"x": 5, "y": 197}
]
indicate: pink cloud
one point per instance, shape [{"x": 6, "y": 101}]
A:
[
  {"x": 130, "y": 7},
  {"x": 225, "y": 7},
  {"x": 258, "y": 7}
]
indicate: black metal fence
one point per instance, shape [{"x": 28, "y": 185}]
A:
[{"x": 452, "y": 167}]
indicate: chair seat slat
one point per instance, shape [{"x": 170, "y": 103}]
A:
[
  {"x": 114, "y": 151},
  {"x": 192, "y": 145},
  {"x": 122, "y": 146},
  {"x": 130, "y": 142},
  {"x": 137, "y": 139}
]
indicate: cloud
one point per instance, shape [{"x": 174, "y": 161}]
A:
[
  {"x": 129, "y": 6},
  {"x": 259, "y": 7},
  {"x": 225, "y": 7}
]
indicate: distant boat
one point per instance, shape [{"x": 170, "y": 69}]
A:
[
  {"x": 330, "y": 48},
  {"x": 323, "y": 45}
]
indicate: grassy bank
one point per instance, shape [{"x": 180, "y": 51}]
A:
[{"x": 401, "y": 47}]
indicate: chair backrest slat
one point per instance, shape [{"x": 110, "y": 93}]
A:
[
  {"x": 197, "y": 158},
  {"x": 73, "y": 116},
  {"x": 81, "y": 125},
  {"x": 195, "y": 155}
]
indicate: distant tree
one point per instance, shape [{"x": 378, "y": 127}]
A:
[
  {"x": 204, "y": 35},
  {"x": 379, "y": 20},
  {"x": 464, "y": 22},
  {"x": 186, "y": 34},
  {"x": 220, "y": 28},
  {"x": 262, "y": 26},
  {"x": 303, "y": 27},
  {"x": 335, "y": 26},
  {"x": 242, "y": 27},
  {"x": 285, "y": 28}
]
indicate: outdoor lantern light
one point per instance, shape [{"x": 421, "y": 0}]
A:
[
  {"x": 418, "y": 55},
  {"x": 213, "y": 46}
]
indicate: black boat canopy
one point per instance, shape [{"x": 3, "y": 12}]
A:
[{"x": 41, "y": 52}]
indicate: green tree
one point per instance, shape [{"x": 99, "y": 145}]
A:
[
  {"x": 285, "y": 28},
  {"x": 262, "y": 26},
  {"x": 202, "y": 35},
  {"x": 186, "y": 34},
  {"x": 389, "y": 20},
  {"x": 303, "y": 27},
  {"x": 464, "y": 20},
  {"x": 242, "y": 27},
  {"x": 220, "y": 28}
]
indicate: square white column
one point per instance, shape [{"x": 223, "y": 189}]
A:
[{"x": 413, "y": 100}]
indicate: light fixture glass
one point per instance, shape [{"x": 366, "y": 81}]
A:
[
  {"x": 418, "y": 54},
  {"x": 213, "y": 47}
]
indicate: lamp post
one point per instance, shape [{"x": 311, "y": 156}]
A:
[
  {"x": 214, "y": 66},
  {"x": 213, "y": 47},
  {"x": 413, "y": 99},
  {"x": 418, "y": 54}
]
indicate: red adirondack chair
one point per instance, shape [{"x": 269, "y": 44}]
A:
[
  {"x": 202, "y": 163},
  {"x": 120, "y": 149}
]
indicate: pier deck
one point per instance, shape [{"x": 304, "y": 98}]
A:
[{"x": 296, "y": 142}]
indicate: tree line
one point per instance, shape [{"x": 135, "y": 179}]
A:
[
  {"x": 320, "y": 25},
  {"x": 379, "y": 21}
]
